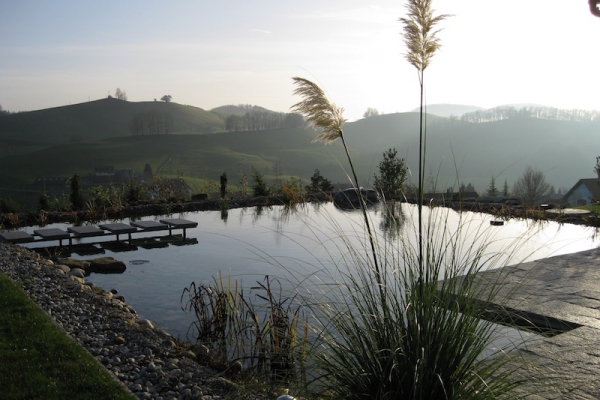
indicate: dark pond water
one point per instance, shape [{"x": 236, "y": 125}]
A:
[{"x": 311, "y": 241}]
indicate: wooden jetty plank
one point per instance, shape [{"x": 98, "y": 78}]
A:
[
  {"x": 150, "y": 225},
  {"x": 53, "y": 234},
  {"x": 179, "y": 223},
  {"x": 85, "y": 231},
  {"x": 118, "y": 228},
  {"x": 17, "y": 237}
]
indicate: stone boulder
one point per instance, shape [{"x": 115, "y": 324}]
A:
[
  {"x": 74, "y": 263},
  {"x": 102, "y": 265},
  {"x": 107, "y": 265},
  {"x": 349, "y": 198}
]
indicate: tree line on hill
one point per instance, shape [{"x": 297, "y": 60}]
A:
[
  {"x": 549, "y": 113},
  {"x": 3, "y": 112},
  {"x": 263, "y": 120},
  {"x": 151, "y": 123}
]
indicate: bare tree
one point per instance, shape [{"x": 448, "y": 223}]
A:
[
  {"x": 531, "y": 186},
  {"x": 120, "y": 94}
]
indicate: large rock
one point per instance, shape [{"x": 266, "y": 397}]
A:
[
  {"x": 107, "y": 265},
  {"x": 102, "y": 265},
  {"x": 74, "y": 263},
  {"x": 349, "y": 198}
]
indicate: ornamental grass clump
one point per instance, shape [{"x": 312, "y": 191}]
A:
[
  {"x": 401, "y": 319},
  {"x": 426, "y": 338}
]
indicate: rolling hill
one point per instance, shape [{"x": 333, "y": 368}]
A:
[
  {"x": 474, "y": 152},
  {"x": 457, "y": 151},
  {"x": 95, "y": 120}
]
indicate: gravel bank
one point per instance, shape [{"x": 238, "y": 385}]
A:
[{"x": 151, "y": 363}]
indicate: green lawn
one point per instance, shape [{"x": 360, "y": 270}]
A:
[
  {"x": 37, "y": 359},
  {"x": 595, "y": 208}
]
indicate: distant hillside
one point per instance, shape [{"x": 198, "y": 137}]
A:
[
  {"x": 474, "y": 152},
  {"x": 448, "y": 110},
  {"x": 27, "y": 131},
  {"x": 196, "y": 157},
  {"x": 457, "y": 152}
]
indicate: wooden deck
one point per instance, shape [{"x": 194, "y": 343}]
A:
[{"x": 86, "y": 231}]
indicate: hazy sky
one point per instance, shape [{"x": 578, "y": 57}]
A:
[{"x": 213, "y": 53}]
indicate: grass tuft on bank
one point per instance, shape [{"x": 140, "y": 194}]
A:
[{"x": 39, "y": 361}]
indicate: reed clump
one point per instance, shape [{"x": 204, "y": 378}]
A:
[{"x": 263, "y": 330}]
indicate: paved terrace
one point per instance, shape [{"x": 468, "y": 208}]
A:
[{"x": 567, "y": 287}]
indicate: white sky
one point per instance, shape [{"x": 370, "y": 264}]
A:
[{"x": 213, "y": 53}]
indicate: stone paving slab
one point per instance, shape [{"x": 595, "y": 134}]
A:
[{"x": 567, "y": 287}]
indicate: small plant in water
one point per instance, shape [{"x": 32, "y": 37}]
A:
[{"x": 265, "y": 331}]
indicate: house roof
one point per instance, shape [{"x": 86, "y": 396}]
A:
[{"x": 592, "y": 184}]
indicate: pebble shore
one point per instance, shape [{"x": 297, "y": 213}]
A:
[{"x": 150, "y": 363}]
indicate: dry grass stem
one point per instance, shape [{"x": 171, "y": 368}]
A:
[
  {"x": 318, "y": 110},
  {"x": 419, "y": 33}
]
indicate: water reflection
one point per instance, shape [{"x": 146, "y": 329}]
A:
[
  {"x": 392, "y": 220},
  {"x": 293, "y": 243},
  {"x": 224, "y": 214}
]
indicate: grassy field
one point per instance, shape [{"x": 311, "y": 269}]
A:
[
  {"x": 37, "y": 359},
  {"x": 594, "y": 208},
  {"x": 198, "y": 158}
]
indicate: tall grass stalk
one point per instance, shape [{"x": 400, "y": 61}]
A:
[
  {"x": 422, "y": 43},
  {"x": 323, "y": 114}
]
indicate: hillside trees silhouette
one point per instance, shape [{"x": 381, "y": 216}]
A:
[
  {"x": 151, "y": 123},
  {"x": 371, "y": 112},
  {"x": 263, "y": 120},
  {"x": 120, "y": 94},
  {"x": 549, "y": 113}
]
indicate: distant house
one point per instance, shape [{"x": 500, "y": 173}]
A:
[
  {"x": 585, "y": 191},
  {"x": 104, "y": 171}
]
